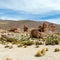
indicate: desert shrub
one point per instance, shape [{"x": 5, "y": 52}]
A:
[
  {"x": 3, "y": 38},
  {"x": 18, "y": 42},
  {"x": 37, "y": 46},
  {"x": 8, "y": 40},
  {"x": 8, "y": 58},
  {"x": 52, "y": 40},
  {"x": 24, "y": 42},
  {"x": 41, "y": 43},
  {"x": 32, "y": 38},
  {"x": 56, "y": 50},
  {"x": 38, "y": 43},
  {"x": 11, "y": 40},
  {"x": 38, "y": 54},
  {"x": 0, "y": 42},
  {"x": 25, "y": 36},
  {"x": 20, "y": 45},
  {"x": 6, "y": 46},
  {"x": 10, "y": 47},
  {"x": 43, "y": 51},
  {"x": 28, "y": 42},
  {"x": 46, "y": 49},
  {"x": 0, "y": 39},
  {"x": 4, "y": 42}
]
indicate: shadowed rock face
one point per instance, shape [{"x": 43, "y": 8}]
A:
[
  {"x": 52, "y": 27},
  {"x": 42, "y": 30},
  {"x": 8, "y": 24},
  {"x": 47, "y": 27},
  {"x": 16, "y": 30},
  {"x": 35, "y": 33},
  {"x": 25, "y": 28}
]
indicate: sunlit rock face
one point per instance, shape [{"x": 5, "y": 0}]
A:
[
  {"x": 16, "y": 30},
  {"x": 43, "y": 30}
]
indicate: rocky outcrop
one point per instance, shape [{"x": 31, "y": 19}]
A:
[
  {"x": 42, "y": 30},
  {"x": 25, "y": 28},
  {"x": 35, "y": 33},
  {"x": 16, "y": 30}
]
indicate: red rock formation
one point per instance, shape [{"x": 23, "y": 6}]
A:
[
  {"x": 16, "y": 30},
  {"x": 35, "y": 33},
  {"x": 25, "y": 28},
  {"x": 52, "y": 27},
  {"x": 40, "y": 28},
  {"x": 45, "y": 27},
  {"x": 43, "y": 30}
]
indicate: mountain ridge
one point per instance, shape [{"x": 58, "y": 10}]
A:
[{"x": 7, "y": 24}]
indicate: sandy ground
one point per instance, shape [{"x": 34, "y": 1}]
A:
[{"x": 28, "y": 53}]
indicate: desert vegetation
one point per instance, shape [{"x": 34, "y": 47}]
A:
[
  {"x": 52, "y": 40},
  {"x": 43, "y": 35},
  {"x": 41, "y": 52},
  {"x": 8, "y": 58},
  {"x": 27, "y": 40},
  {"x": 57, "y": 50},
  {"x": 38, "y": 36}
]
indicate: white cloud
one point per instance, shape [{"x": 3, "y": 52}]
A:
[
  {"x": 32, "y": 6},
  {"x": 12, "y": 18},
  {"x": 38, "y": 7},
  {"x": 57, "y": 21}
]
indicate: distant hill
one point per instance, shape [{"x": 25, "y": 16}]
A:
[{"x": 7, "y": 24}]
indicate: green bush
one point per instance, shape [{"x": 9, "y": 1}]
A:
[
  {"x": 20, "y": 45},
  {"x": 56, "y": 50},
  {"x": 11, "y": 40},
  {"x": 52, "y": 40},
  {"x": 46, "y": 49},
  {"x": 8, "y": 58},
  {"x": 41, "y": 52},
  {"x": 6, "y": 46},
  {"x": 28, "y": 42},
  {"x": 38, "y": 54},
  {"x": 38, "y": 43}
]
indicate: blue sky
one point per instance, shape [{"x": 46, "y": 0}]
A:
[{"x": 38, "y": 10}]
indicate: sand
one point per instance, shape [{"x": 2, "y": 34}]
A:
[{"x": 28, "y": 53}]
